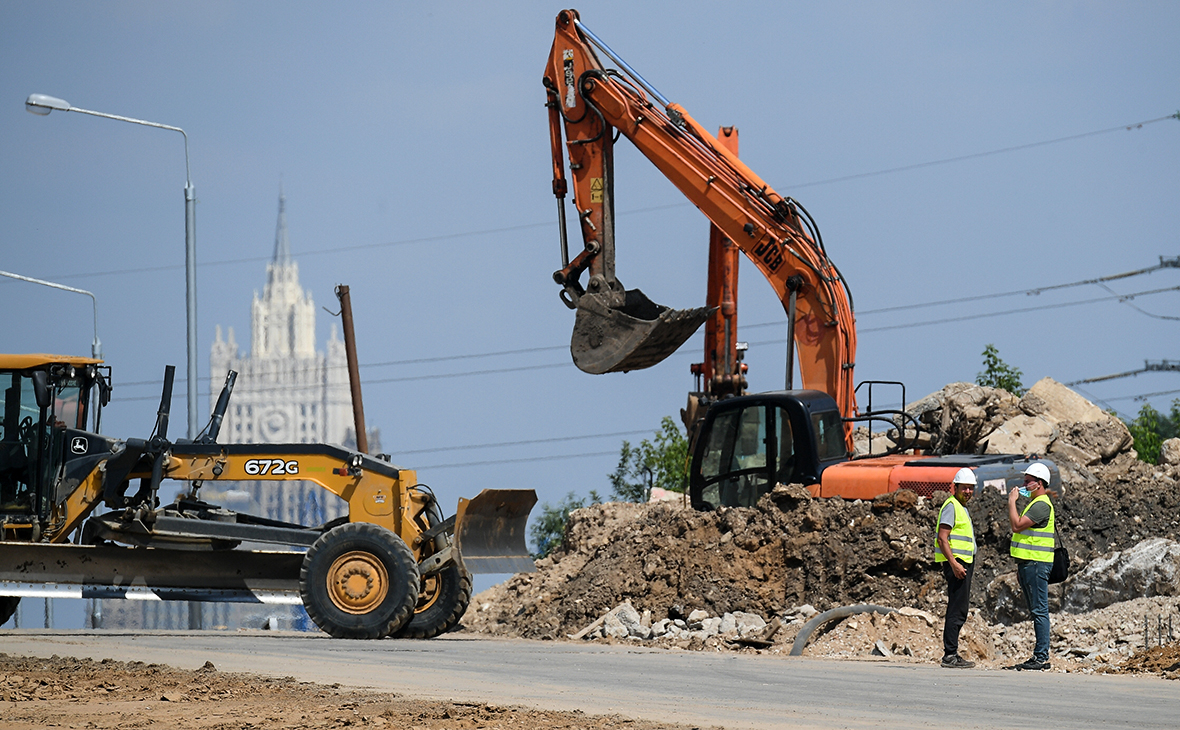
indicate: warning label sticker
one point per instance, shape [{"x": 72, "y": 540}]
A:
[{"x": 595, "y": 190}]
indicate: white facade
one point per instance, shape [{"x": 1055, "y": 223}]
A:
[{"x": 286, "y": 391}]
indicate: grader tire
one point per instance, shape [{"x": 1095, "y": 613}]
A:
[
  {"x": 359, "y": 581},
  {"x": 8, "y": 606},
  {"x": 442, "y": 600}
]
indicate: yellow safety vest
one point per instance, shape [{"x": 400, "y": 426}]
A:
[
  {"x": 962, "y": 537},
  {"x": 1034, "y": 544}
]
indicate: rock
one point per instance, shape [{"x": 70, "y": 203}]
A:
[
  {"x": 1022, "y": 435},
  {"x": 786, "y": 497},
  {"x": 748, "y": 623},
  {"x": 1060, "y": 449},
  {"x": 1150, "y": 568},
  {"x": 879, "y": 649},
  {"x": 925, "y": 616},
  {"x": 1057, "y": 403},
  {"x": 623, "y": 621},
  {"x": 697, "y": 616},
  {"x": 1170, "y": 452},
  {"x": 728, "y": 626},
  {"x": 711, "y": 626},
  {"x": 962, "y": 414},
  {"x": 1107, "y": 438},
  {"x": 902, "y": 499}
]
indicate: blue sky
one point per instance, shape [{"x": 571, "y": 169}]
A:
[{"x": 411, "y": 142}]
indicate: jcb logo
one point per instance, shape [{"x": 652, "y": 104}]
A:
[
  {"x": 770, "y": 253},
  {"x": 273, "y": 467}
]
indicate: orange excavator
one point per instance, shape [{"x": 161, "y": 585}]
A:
[{"x": 744, "y": 444}]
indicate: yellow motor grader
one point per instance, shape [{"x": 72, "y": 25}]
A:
[{"x": 80, "y": 517}]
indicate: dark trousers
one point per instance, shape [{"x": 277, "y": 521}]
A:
[{"x": 958, "y": 600}]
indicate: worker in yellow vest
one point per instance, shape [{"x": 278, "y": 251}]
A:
[
  {"x": 1034, "y": 539},
  {"x": 956, "y": 553}
]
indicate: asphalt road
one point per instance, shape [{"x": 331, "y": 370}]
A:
[{"x": 700, "y": 688}]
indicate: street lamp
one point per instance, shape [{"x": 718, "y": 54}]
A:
[
  {"x": 96, "y": 346},
  {"x": 42, "y": 105}
]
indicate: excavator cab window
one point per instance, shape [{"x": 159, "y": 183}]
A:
[
  {"x": 829, "y": 436},
  {"x": 747, "y": 451},
  {"x": 19, "y": 442},
  {"x": 785, "y": 465}
]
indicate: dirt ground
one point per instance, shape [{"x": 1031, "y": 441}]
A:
[{"x": 81, "y": 693}]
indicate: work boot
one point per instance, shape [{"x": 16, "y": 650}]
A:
[
  {"x": 954, "y": 661},
  {"x": 1032, "y": 665}
]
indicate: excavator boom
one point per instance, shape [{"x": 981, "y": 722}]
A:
[{"x": 590, "y": 104}]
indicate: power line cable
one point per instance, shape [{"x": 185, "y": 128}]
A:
[
  {"x": 864, "y": 330},
  {"x": 491, "y": 462},
  {"x": 526, "y": 226},
  {"x": 528, "y": 442},
  {"x": 961, "y": 158},
  {"x": 1164, "y": 263}
]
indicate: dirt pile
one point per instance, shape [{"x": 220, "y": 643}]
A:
[
  {"x": 792, "y": 551},
  {"x": 59, "y": 692}
]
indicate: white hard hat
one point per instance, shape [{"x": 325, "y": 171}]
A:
[
  {"x": 1038, "y": 470},
  {"x": 965, "y": 476}
]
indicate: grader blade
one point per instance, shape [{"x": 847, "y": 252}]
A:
[
  {"x": 636, "y": 336},
  {"x": 490, "y": 531}
]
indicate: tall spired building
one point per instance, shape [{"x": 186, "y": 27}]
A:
[{"x": 286, "y": 391}]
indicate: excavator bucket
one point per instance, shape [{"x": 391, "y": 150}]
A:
[
  {"x": 636, "y": 336},
  {"x": 490, "y": 530}
]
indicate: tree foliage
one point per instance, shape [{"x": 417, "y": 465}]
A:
[
  {"x": 661, "y": 463},
  {"x": 999, "y": 374},
  {"x": 548, "y": 530},
  {"x": 1151, "y": 428}
]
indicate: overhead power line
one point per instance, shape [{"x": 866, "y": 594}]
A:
[
  {"x": 526, "y": 226},
  {"x": 863, "y": 330},
  {"x": 1148, "y": 366},
  {"x": 977, "y": 155},
  {"x": 1165, "y": 263},
  {"x": 528, "y": 442},
  {"x": 490, "y": 462}
]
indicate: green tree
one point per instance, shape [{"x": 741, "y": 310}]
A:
[
  {"x": 661, "y": 462},
  {"x": 1151, "y": 428},
  {"x": 999, "y": 374},
  {"x": 548, "y": 530}
]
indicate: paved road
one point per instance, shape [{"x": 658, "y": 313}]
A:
[{"x": 734, "y": 691}]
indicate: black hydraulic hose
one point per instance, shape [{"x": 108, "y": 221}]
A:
[{"x": 826, "y": 616}]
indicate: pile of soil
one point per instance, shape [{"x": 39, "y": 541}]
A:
[
  {"x": 59, "y": 692},
  {"x": 793, "y": 550}
]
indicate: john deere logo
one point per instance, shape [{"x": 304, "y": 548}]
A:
[{"x": 79, "y": 445}]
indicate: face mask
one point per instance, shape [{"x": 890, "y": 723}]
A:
[{"x": 1025, "y": 493}]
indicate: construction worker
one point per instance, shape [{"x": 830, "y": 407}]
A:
[
  {"x": 956, "y": 552},
  {"x": 1033, "y": 542}
]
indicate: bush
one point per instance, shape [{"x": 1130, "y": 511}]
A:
[
  {"x": 1151, "y": 428},
  {"x": 548, "y": 530},
  {"x": 662, "y": 463},
  {"x": 999, "y": 374}
]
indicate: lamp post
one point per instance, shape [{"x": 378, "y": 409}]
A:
[
  {"x": 42, "y": 105},
  {"x": 96, "y": 346}
]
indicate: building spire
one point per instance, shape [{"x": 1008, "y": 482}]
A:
[{"x": 282, "y": 244}]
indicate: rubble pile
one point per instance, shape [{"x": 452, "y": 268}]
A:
[{"x": 664, "y": 573}]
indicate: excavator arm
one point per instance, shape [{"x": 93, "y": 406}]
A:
[{"x": 590, "y": 105}]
